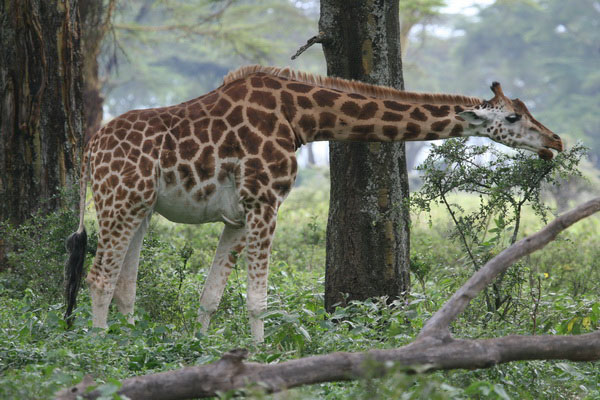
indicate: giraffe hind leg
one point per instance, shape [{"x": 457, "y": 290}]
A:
[
  {"x": 262, "y": 220},
  {"x": 125, "y": 289},
  {"x": 231, "y": 243},
  {"x": 113, "y": 243}
]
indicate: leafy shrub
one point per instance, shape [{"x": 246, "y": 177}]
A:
[
  {"x": 37, "y": 254},
  {"x": 38, "y": 356},
  {"x": 505, "y": 184}
]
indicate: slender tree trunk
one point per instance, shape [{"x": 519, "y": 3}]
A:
[
  {"x": 40, "y": 104},
  {"x": 367, "y": 231},
  {"x": 95, "y": 20}
]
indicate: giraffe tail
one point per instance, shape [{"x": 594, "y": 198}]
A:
[{"x": 76, "y": 246}]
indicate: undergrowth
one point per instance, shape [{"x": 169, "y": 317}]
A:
[{"x": 38, "y": 356}]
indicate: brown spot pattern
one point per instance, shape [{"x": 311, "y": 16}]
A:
[
  {"x": 256, "y": 82},
  {"x": 235, "y": 117},
  {"x": 390, "y": 131},
  {"x": 264, "y": 99},
  {"x": 350, "y": 108},
  {"x": 325, "y": 98},
  {"x": 363, "y": 129},
  {"x": 250, "y": 140},
  {"x": 201, "y": 130},
  {"x": 263, "y": 121},
  {"x": 271, "y": 83},
  {"x": 217, "y": 127},
  {"x": 230, "y": 147},
  {"x": 307, "y": 123},
  {"x": 412, "y": 131},
  {"x": 439, "y": 126},
  {"x": 237, "y": 92},
  {"x": 368, "y": 110},
  {"x": 188, "y": 149},
  {"x": 222, "y": 106},
  {"x": 437, "y": 111},
  {"x": 299, "y": 87},
  {"x": 391, "y": 116},
  {"x": 396, "y": 106},
  {"x": 418, "y": 115},
  {"x": 304, "y": 102},
  {"x": 457, "y": 130},
  {"x": 327, "y": 120},
  {"x": 357, "y": 96},
  {"x": 205, "y": 165},
  {"x": 146, "y": 166}
]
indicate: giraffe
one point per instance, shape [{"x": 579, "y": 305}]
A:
[{"x": 229, "y": 156}]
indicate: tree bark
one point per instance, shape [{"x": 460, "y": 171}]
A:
[
  {"x": 95, "y": 20},
  {"x": 367, "y": 230},
  {"x": 434, "y": 349},
  {"x": 40, "y": 104}
]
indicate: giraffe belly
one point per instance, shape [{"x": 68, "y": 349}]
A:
[{"x": 222, "y": 205}]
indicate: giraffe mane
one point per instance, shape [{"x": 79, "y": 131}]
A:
[{"x": 350, "y": 86}]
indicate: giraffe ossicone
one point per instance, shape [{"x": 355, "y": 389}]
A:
[{"x": 229, "y": 156}]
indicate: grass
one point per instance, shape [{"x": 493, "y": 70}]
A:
[{"x": 38, "y": 356}]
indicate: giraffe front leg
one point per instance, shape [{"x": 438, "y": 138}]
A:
[
  {"x": 115, "y": 238},
  {"x": 261, "y": 221},
  {"x": 231, "y": 243}
]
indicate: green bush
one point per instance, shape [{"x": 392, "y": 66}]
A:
[
  {"x": 553, "y": 291},
  {"x": 36, "y": 255}
]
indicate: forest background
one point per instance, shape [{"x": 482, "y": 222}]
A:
[{"x": 545, "y": 52}]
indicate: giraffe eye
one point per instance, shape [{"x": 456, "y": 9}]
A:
[{"x": 512, "y": 118}]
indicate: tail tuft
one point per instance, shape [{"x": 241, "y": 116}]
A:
[{"x": 76, "y": 245}]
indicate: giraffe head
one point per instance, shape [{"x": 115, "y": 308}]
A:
[{"x": 509, "y": 122}]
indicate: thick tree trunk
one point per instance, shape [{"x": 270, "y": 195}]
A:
[
  {"x": 40, "y": 104},
  {"x": 367, "y": 231}
]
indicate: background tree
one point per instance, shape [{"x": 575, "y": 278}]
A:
[
  {"x": 414, "y": 12},
  {"x": 165, "y": 52},
  {"x": 367, "y": 231},
  {"x": 96, "y": 19},
  {"x": 544, "y": 51},
  {"x": 40, "y": 106}
]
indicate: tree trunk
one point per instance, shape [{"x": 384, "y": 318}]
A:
[
  {"x": 40, "y": 105},
  {"x": 94, "y": 22},
  {"x": 367, "y": 231}
]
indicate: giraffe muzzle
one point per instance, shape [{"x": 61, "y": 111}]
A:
[{"x": 553, "y": 145}]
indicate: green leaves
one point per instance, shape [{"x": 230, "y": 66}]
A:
[{"x": 38, "y": 356}]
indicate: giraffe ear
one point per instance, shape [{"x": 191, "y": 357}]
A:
[{"x": 473, "y": 117}]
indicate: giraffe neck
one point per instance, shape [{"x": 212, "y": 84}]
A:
[
  {"x": 325, "y": 114},
  {"x": 321, "y": 108}
]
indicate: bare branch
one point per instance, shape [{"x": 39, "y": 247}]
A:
[
  {"x": 315, "y": 39},
  {"x": 437, "y": 326}
]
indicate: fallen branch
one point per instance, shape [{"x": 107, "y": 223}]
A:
[
  {"x": 230, "y": 372},
  {"x": 434, "y": 349}
]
